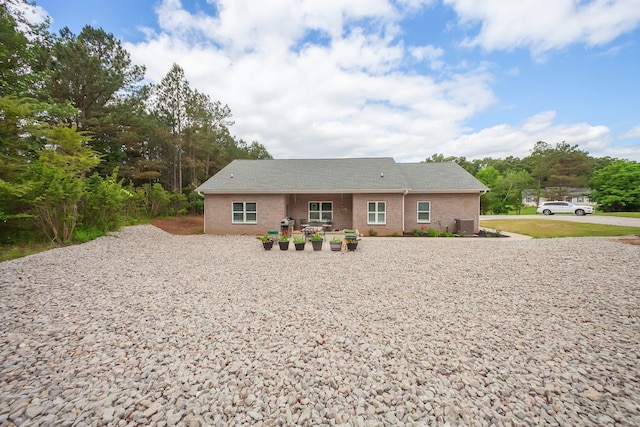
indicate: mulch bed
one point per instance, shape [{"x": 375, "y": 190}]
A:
[{"x": 182, "y": 225}]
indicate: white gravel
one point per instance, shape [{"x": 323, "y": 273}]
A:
[{"x": 149, "y": 328}]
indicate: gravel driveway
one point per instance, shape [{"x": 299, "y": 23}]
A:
[{"x": 150, "y": 328}]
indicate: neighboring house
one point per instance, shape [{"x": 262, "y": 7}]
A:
[
  {"x": 367, "y": 194},
  {"x": 578, "y": 196}
]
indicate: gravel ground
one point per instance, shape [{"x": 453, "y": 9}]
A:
[{"x": 150, "y": 328}]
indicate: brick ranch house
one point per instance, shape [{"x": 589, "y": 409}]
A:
[{"x": 367, "y": 194}]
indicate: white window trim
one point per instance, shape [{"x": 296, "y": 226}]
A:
[
  {"x": 244, "y": 213},
  {"x": 320, "y": 211},
  {"x": 376, "y": 212},
  {"x": 418, "y": 220}
]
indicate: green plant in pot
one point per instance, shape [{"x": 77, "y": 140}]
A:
[
  {"x": 335, "y": 243},
  {"x": 352, "y": 241},
  {"x": 267, "y": 242},
  {"x": 299, "y": 242},
  {"x": 283, "y": 241},
  {"x": 316, "y": 241}
]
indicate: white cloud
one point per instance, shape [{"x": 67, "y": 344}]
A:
[
  {"x": 631, "y": 134},
  {"x": 346, "y": 94},
  {"x": 545, "y": 25},
  {"x": 505, "y": 140},
  {"x": 428, "y": 53}
]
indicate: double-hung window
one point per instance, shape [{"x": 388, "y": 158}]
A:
[
  {"x": 424, "y": 212},
  {"x": 377, "y": 212},
  {"x": 320, "y": 211},
  {"x": 244, "y": 213}
]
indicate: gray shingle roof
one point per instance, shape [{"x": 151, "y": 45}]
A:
[
  {"x": 440, "y": 177},
  {"x": 380, "y": 174}
]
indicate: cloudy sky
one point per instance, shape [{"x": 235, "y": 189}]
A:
[{"x": 400, "y": 78}]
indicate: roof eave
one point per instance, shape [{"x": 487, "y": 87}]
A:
[{"x": 289, "y": 191}]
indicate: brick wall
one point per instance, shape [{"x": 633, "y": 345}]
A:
[
  {"x": 271, "y": 209},
  {"x": 349, "y": 211},
  {"x": 445, "y": 208},
  {"x": 393, "y": 217}
]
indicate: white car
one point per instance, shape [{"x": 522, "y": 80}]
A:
[{"x": 550, "y": 208}]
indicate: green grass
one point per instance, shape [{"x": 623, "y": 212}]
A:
[
  {"x": 540, "y": 228},
  {"x": 8, "y": 252},
  {"x": 621, "y": 214}
]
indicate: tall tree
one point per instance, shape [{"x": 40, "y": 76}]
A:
[
  {"x": 22, "y": 44},
  {"x": 540, "y": 165},
  {"x": 89, "y": 70},
  {"x": 171, "y": 107},
  {"x": 616, "y": 187},
  {"x": 570, "y": 166},
  {"x": 95, "y": 73}
]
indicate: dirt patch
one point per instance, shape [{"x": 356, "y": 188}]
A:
[
  {"x": 182, "y": 225},
  {"x": 631, "y": 240}
]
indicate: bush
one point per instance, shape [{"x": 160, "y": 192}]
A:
[
  {"x": 102, "y": 205},
  {"x": 432, "y": 232}
]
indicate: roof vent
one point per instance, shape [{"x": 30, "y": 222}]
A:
[
  {"x": 381, "y": 174},
  {"x": 231, "y": 175}
]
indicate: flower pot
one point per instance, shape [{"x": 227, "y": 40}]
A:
[
  {"x": 317, "y": 244},
  {"x": 335, "y": 246},
  {"x": 299, "y": 246},
  {"x": 267, "y": 245},
  {"x": 284, "y": 246},
  {"x": 352, "y": 246}
]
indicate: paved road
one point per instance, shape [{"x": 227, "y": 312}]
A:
[{"x": 596, "y": 219}]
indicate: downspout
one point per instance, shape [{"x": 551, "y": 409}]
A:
[
  {"x": 482, "y": 193},
  {"x": 204, "y": 223},
  {"x": 403, "y": 213}
]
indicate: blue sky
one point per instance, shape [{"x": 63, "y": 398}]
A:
[{"x": 403, "y": 78}]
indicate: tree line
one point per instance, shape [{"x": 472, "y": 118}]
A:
[
  {"x": 87, "y": 146},
  {"x": 552, "y": 172}
]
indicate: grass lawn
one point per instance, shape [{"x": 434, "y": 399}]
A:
[
  {"x": 622, "y": 214},
  {"x": 8, "y": 252},
  {"x": 540, "y": 228}
]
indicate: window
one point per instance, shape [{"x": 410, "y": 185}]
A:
[
  {"x": 377, "y": 213},
  {"x": 320, "y": 211},
  {"x": 580, "y": 199},
  {"x": 244, "y": 213},
  {"x": 424, "y": 212}
]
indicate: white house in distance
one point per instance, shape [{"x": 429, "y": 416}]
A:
[{"x": 373, "y": 195}]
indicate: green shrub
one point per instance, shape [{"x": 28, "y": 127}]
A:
[
  {"x": 432, "y": 232},
  {"x": 102, "y": 205}
]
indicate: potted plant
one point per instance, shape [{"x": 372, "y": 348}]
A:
[
  {"x": 267, "y": 242},
  {"x": 283, "y": 241},
  {"x": 335, "y": 243},
  {"x": 299, "y": 242},
  {"x": 352, "y": 242},
  {"x": 316, "y": 241}
]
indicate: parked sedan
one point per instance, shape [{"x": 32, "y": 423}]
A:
[{"x": 550, "y": 208}]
